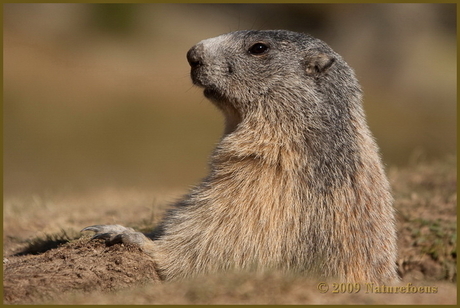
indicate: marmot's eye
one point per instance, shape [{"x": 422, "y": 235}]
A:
[{"x": 258, "y": 48}]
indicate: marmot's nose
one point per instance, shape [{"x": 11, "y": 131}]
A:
[{"x": 194, "y": 57}]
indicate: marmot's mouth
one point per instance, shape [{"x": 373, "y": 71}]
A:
[{"x": 213, "y": 94}]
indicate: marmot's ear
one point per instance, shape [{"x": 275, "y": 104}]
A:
[{"x": 318, "y": 63}]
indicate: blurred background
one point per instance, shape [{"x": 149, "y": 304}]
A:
[{"x": 99, "y": 95}]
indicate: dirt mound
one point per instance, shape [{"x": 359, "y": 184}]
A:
[{"x": 79, "y": 265}]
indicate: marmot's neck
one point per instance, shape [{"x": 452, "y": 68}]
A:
[
  {"x": 317, "y": 143},
  {"x": 276, "y": 143}
]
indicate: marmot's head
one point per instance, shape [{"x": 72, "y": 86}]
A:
[
  {"x": 287, "y": 91},
  {"x": 245, "y": 70}
]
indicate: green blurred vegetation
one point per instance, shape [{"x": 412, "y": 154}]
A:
[
  {"x": 114, "y": 17},
  {"x": 98, "y": 95}
]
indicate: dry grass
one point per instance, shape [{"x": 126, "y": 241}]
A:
[
  {"x": 243, "y": 288},
  {"x": 426, "y": 196}
]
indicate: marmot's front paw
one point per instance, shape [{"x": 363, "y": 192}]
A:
[{"x": 114, "y": 234}]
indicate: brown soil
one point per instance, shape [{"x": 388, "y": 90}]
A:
[
  {"x": 83, "y": 271},
  {"x": 80, "y": 265}
]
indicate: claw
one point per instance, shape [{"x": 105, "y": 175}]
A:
[
  {"x": 103, "y": 236},
  {"x": 107, "y": 229},
  {"x": 91, "y": 228},
  {"x": 112, "y": 234}
]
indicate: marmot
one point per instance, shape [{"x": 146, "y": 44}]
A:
[{"x": 296, "y": 182}]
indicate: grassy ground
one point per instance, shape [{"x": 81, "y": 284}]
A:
[{"x": 78, "y": 272}]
